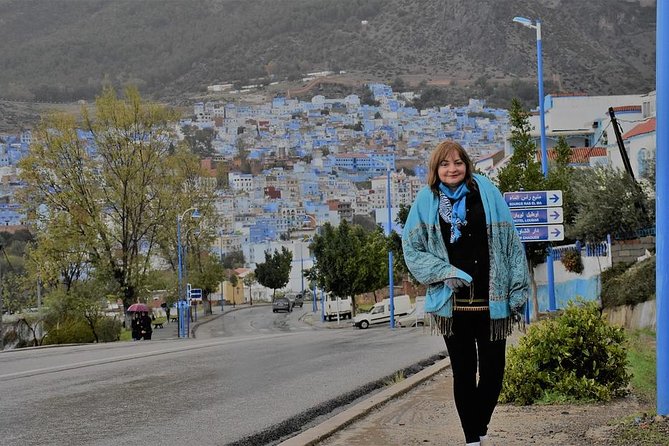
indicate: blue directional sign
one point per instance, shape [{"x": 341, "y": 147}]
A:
[
  {"x": 541, "y": 233},
  {"x": 195, "y": 294},
  {"x": 537, "y": 198},
  {"x": 530, "y": 216}
]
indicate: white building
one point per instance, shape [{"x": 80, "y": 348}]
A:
[
  {"x": 583, "y": 119},
  {"x": 240, "y": 181}
]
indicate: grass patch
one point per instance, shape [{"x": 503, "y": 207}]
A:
[
  {"x": 126, "y": 335},
  {"x": 641, "y": 354},
  {"x": 396, "y": 378},
  {"x": 642, "y": 429}
]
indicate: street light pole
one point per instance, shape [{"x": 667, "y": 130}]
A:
[
  {"x": 180, "y": 302},
  {"x": 302, "y": 269},
  {"x": 181, "y": 305},
  {"x": 662, "y": 210},
  {"x": 314, "y": 306},
  {"x": 391, "y": 285},
  {"x": 220, "y": 244},
  {"x": 544, "y": 155}
]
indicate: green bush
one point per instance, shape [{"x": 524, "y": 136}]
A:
[
  {"x": 69, "y": 332},
  {"x": 575, "y": 356},
  {"x": 77, "y": 331},
  {"x": 615, "y": 271},
  {"x": 630, "y": 286},
  {"x": 108, "y": 329}
]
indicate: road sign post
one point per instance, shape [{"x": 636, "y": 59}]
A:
[
  {"x": 541, "y": 233},
  {"x": 537, "y": 215},
  {"x": 541, "y": 198},
  {"x": 541, "y": 216},
  {"x": 194, "y": 296}
]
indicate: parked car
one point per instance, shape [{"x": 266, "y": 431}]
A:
[
  {"x": 295, "y": 299},
  {"x": 411, "y": 319},
  {"x": 282, "y": 304},
  {"x": 380, "y": 312},
  {"x": 338, "y": 307}
]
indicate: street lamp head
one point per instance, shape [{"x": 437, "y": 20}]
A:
[
  {"x": 524, "y": 21},
  {"x": 195, "y": 214}
]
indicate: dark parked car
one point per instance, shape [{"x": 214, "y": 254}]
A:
[
  {"x": 295, "y": 299},
  {"x": 282, "y": 304}
]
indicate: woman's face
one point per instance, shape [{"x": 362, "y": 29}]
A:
[{"x": 452, "y": 170}]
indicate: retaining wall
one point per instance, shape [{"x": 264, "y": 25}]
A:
[
  {"x": 633, "y": 317},
  {"x": 630, "y": 250}
]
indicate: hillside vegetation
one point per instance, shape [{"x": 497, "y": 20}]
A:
[{"x": 66, "y": 49}]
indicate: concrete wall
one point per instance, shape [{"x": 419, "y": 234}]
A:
[
  {"x": 633, "y": 317},
  {"x": 568, "y": 285}
]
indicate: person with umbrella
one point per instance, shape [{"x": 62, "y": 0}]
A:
[
  {"x": 138, "y": 325},
  {"x": 135, "y": 327},
  {"x": 145, "y": 329}
]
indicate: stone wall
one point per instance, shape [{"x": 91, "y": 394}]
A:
[{"x": 629, "y": 250}]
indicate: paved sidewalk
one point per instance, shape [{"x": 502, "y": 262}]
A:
[{"x": 170, "y": 330}]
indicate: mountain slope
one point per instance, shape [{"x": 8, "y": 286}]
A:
[{"x": 65, "y": 49}]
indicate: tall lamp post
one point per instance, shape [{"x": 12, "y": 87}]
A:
[
  {"x": 544, "y": 156},
  {"x": 391, "y": 284},
  {"x": 182, "y": 300},
  {"x": 314, "y": 307},
  {"x": 389, "y": 227},
  {"x": 662, "y": 210},
  {"x": 220, "y": 252}
]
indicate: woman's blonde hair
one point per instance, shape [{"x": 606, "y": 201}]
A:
[{"x": 440, "y": 153}]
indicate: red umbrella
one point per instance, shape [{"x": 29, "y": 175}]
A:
[{"x": 138, "y": 308}]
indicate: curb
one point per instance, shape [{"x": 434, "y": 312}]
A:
[
  {"x": 320, "y": 432},
  {"x": 308, "y": 318}
]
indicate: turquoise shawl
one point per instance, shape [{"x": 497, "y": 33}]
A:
[{"x": 427, "y": 259}]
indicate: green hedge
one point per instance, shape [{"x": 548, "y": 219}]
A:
[
  {"x": 629, "y": 284},
  {"x": 575, "y": 356},
  {"x": 77, "y": 331}
]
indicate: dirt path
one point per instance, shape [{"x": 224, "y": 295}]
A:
[{"x": 426, "y": 416}]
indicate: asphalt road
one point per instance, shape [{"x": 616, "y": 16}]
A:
[{"x": 251, "y": 377}]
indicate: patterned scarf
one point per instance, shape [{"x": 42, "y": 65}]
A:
[{"x": 455, "y": 213}]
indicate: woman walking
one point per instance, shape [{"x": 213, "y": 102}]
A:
[{"x": 460, "y": 241}]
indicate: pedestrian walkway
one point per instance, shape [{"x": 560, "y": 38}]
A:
[
  {"x": 420, "y": 410},
  {"x": 170, "y": 330}
]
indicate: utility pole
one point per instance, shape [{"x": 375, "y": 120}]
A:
[
  {"x": 621, "y": 145},
  {"x": 2, "y": 333},
  {"x": 626, "y": 160},
  {"x": 38, "y": 329}
]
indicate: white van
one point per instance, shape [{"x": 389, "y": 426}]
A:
[
  {"x": 380, "y": 312},
  {"x": 335, "y": 305}
]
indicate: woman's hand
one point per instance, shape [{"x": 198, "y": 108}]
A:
[{"x": 456, "y": 283}]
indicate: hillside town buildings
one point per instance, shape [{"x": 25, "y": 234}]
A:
[{"x": 290, "y": 166}]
